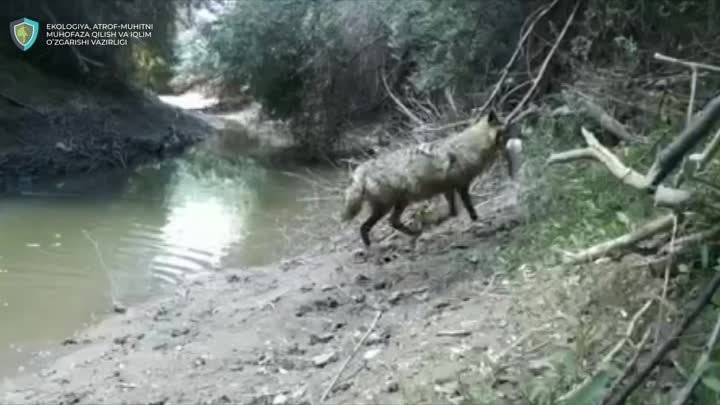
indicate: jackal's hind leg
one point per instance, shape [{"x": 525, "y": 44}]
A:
[
  {"x": 464, "y": 192},
  {"x": 378, "y": 211},
  {"x": 450, "y": 197},
  {"x": 396, "y": 223}
]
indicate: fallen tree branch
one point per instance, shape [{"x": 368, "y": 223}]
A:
[
  {"x": 684, "y": 243},
  {"x": 700, "y": 367},
  {"x": 571, "y": 156},
  {"x": 606, "y": 121},
  {"x": 686, "y": 63},
  {"x": 544, "y": 65},
  {"x": 621, "y": 397},
  {"x": 649, "y": 229},
  {"x": 672, "y": 155},
  {"x": 352, "y": 354},
  {"x": 664, "y": 196}
]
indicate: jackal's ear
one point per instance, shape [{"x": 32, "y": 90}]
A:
[{"x": 492, "y": 118}]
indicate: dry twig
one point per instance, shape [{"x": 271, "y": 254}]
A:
[
  {"x": 605, "y": 362},
  {"x": 516, "y": 53},
  {"x": 662, "y": 350},
  {"x": 544, "y": 65},
  {"x": 700, "y": 367},
  {"x": 352, "y": 354}
]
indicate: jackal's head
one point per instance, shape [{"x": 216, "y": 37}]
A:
[
  {"x": 494, "y": 128},
  {"x": 507, "y": 138}
]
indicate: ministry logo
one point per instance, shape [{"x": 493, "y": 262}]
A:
[{"x": 24, "y": 32}]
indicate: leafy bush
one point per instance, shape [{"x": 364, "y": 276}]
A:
[{"x": 321, "y": 63}]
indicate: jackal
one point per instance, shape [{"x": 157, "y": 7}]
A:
[{"x": 420, "y": 172}]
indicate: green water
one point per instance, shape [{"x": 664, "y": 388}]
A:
[{"x": 69, "y": 248}]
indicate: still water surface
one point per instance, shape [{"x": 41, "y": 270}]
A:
[{"x": 67, "y": 249}]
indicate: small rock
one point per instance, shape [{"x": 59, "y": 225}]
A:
[
  {"x": 380, "y": 285},
  {"x": 302, "y": 310},
  {"x": 371, "y": 354},
  {"x": 327, "y": 287},
  {"x": 295, "y": 349},
  {"x": 119, "y": 308},
  {"x": 237, "y": 367},
  {"x": 121, "y": 340},
  {"x": 286, "y": 364},
  {"x": 392, "y": 386},
  {"x": 396, "y": 297},
  {"x": 69, "y": 342},
  {"x": 233, "y": 278},
  {"x": 161, "y": 346},
  {"x": 442, "y": 304},
  {"x": 307, "y": 287},
  {"x": 449, "y": 388},
  {"x": 327, "y": 303},
  {"x": 200, "y": 361},
  {"x": 323, "y": 338},
  {"x": 324, "y": 359},
  {"x": 373, "y": 339},
  {"x": 361, "y": 279},
  {"x": 179, "y": 332},
  {"x": 343, "y": 386},
  {"x": 280, "y": 399},
  {"x": 359, "y": 299}
]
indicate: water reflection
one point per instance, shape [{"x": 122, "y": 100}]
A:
[{"x": 68, "y": 248}]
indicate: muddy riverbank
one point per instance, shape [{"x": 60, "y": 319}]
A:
[
  {"x": 52, "y": 127},
  {"x": 281, "y": 333}
]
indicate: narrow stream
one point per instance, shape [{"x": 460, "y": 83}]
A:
[{"x": 67, "y": 249}]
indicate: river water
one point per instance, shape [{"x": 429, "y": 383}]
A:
[{"x": 69, "y": 248}]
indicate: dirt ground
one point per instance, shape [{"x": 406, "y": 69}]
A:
[{"x": 281, "y": 334}]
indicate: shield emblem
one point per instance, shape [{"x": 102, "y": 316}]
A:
[{"x": 24, "y": 32}]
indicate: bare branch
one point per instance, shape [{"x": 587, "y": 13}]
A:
[
  {"x": 352, "y": 354},
  {"x": 700, "y": 367},
  {"x": 571, "y": 155},
  {"x": 605, "y": 362},
  {"x": 599, "y": 152},
  {"x": 684, "y": 243},
  {"x": 686, "y": 63},
  {"x": 515, "y": 54},
  {"x": 710, "y": 150},
  {"x": 671, "y": 156},
  {"x": 400, "y": 105},
  {"x": 451, "y": 101},
  {"x": 649, "y": 229},
  {"x": 663, "y": 349},
  {"x": 545, "y": 63},
  {"x": 691, "y": 102}
]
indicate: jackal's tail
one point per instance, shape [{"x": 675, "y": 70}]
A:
[{"x": 354, "y": 196}]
